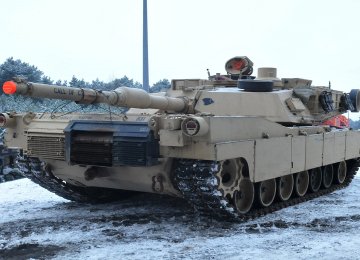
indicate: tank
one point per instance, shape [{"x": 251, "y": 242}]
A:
[{"x": 232, "y": 145}]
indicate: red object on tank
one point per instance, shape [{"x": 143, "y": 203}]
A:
[
  {"x": 238, "y": 65},
  {"x": 340, "y": 121},
  {"x": 9, "y": 87}
]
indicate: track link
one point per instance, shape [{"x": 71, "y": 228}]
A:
[
  {"x": 35, "y": 170},
  {"x": 196, "y": 180}
]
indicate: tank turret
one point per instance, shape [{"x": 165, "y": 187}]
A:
[
  {"x": 233, "y": 145},
  {"x": 286, "y": 100}
]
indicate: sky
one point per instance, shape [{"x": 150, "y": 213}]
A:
[{"x": 91, "y": 39}]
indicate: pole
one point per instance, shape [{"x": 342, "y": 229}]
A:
[{"x": 145, "y": 49}]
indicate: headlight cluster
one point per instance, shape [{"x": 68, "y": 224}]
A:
[
  {"x": 6, "y": 120},
  {"x": 194, "y": 126}
]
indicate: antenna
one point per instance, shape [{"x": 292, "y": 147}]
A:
[
  {"x": 208, "y": 72},
  {"x": 145, "y": 49}
]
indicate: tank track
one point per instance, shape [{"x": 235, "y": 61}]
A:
[
  {"x": 11, "y": 176},
  {"x": 35, "y": 170},
  {"x": 198, "y": 184}
]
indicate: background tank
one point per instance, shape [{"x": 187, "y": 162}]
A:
[
  {"x": 8, "y": 170},
  {"x": 232, "y": 145}
]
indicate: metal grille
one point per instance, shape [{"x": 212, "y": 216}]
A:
[
  {"x": 91, "y": 153},
  {"x": 129, "y": 153},
  {"x": 47, "y": 147}
]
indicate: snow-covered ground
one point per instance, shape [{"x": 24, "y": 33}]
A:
[{"x": 39, "y": 225}]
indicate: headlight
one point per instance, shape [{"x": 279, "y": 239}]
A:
[
  {"x": 6, "y": 120},
  {"x": 194, "y": 126}
]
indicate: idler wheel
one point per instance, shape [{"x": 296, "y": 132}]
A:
[
  {"x": 315, "y": 179},
  {"x": 301, "y": 183},
  {"x": 340, "y": 172},
  {"x": 285, "y": 185},
  {"x": 266, "y": 191},
  {"x": 328, "y": 173},
  {"x": 229, "y": 176},
  {"x": 244, "y": 197}
]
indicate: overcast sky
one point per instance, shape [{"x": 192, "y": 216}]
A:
[{"x": 91, "y": 39}]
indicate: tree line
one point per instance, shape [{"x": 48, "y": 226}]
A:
[
  {"x": 11, "y": 68},
  {"x": 15, "y": 67}
]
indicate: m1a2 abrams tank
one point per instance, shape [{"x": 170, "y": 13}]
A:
[{"x": 232, "y": 145}]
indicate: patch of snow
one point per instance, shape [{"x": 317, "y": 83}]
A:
[{"x": 150, "y": 226}]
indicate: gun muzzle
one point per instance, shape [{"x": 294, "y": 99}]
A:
[{"x": 9, "y": 87}]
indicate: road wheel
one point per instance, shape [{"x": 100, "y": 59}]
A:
[
  {"x": 285, "y": 185},
  {"x": 266, "y": 191},
  {"x": 315, "y": 179},
  {"x": 301, "y": 183},
  {"x": 244, "y": 197},
  {"x": 340, "y": 172},
  {"x": 328, "y": 173}
]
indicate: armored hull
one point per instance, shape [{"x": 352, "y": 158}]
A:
[{"x": 234, "y": 146}]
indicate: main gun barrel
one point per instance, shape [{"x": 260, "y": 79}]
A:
[{"x": 122, "y": 96}]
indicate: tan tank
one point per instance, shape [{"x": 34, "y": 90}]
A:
[{"x": 232, "y": 145}]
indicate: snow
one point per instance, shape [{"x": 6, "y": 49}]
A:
[{"x": 37, "y": 224}]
